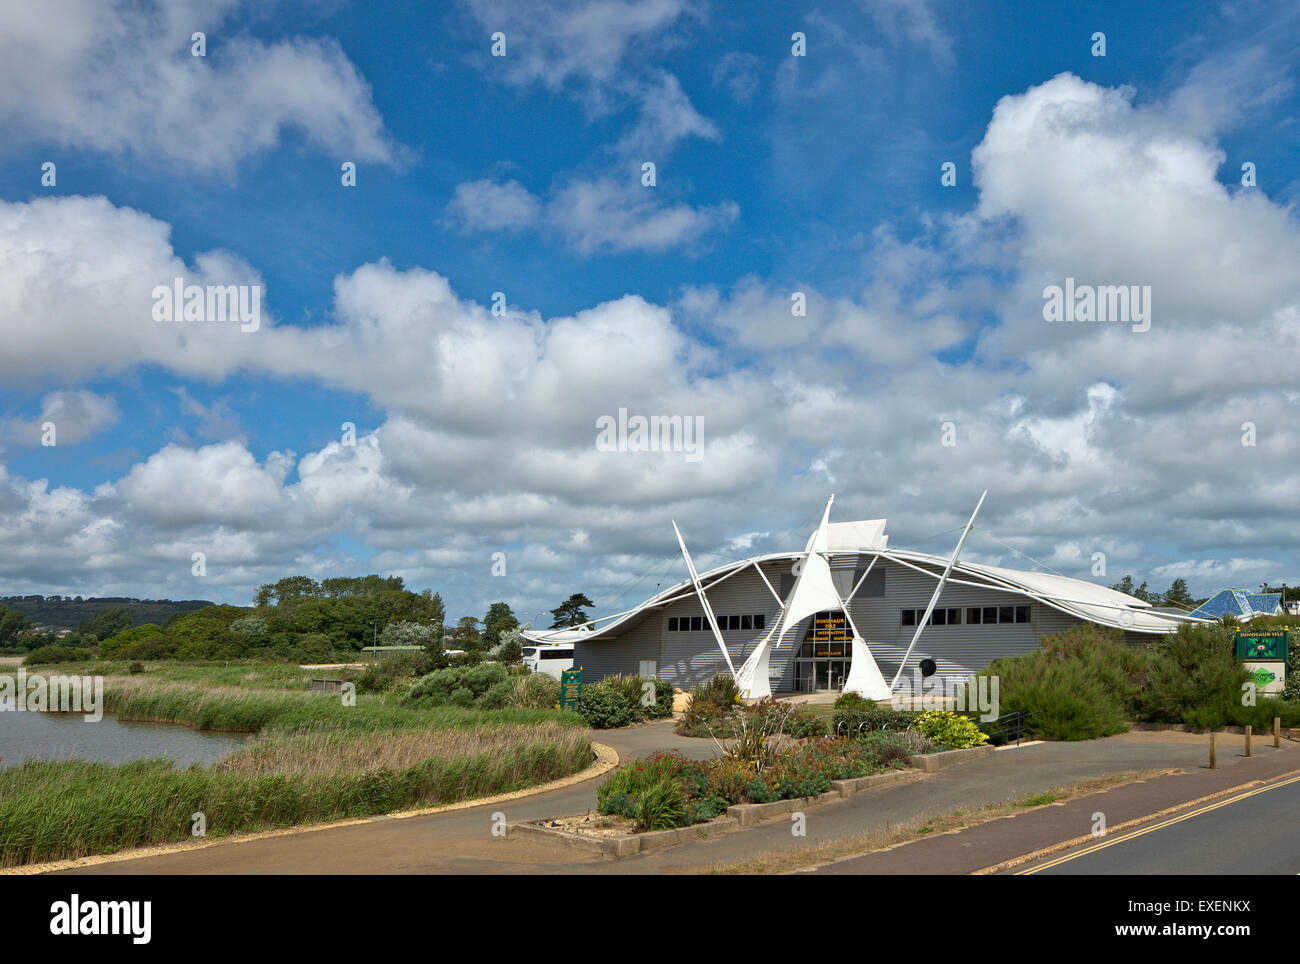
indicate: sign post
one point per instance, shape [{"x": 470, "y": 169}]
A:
[{"x": 570, "y": 688}]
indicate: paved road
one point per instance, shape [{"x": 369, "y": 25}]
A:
[
  {"x": 460, "y": 841},
  {"x": 1250, "y": 833}
]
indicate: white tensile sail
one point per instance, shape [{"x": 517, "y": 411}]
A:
[{"x": 814, "y": 591}]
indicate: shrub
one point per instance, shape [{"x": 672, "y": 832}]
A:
[
  {"x": 393, "y": 672},
  {"x": 951, "y": 731},
  {"x": 663, "y": 704},
  {"x": 458, "y": 685},
  {"x": 1195, "y": 678},
  {"x": 606, "y": 707},
  {"x": 788, "y": 718},
  {"x": 1081, "y": 685},
  {"x": 497, "y": 695},
  {"x": 894, "y": 749},
  {"x": 851, "y": 701},
  {"x": 534, "y": 691},
  {"x": 111, "y": 647},
  {"x": 43, "y": 655},
  {"x": 661, "y": 805},
  {"x": 136, "y": 667},
  {"x": 710, "y": 707},
  {"x": 853, "y": 719},
  {"x": 151, "y": 647}
]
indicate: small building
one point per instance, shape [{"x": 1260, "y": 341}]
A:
[
  {"x": 847, "y": 613},
  {"x": 1241, "y": 605}
]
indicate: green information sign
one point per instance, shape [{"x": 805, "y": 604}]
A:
[
  {"x": 570, "y": 688},
  {"x": 1265, "y": 644}
]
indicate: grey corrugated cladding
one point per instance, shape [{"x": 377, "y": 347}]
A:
[{"x": 688, "y": 658}]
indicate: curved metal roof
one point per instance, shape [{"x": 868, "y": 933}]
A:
[{"x": 1076, "y": 597}]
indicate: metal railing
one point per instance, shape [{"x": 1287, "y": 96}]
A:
[{"x": 1007, "y": 726}]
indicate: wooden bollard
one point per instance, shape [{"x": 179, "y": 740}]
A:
[
  {"x": 1214, "y": 763},
  {"x": 1277, "y": 732},
  {"x": 1247, "y": 739}
]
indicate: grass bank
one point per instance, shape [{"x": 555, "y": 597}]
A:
[{"x": 312, "y": 759}]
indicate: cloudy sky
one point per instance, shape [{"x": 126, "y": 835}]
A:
[{"x": 1169, "y": 162}]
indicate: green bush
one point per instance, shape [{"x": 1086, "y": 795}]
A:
[
  {"x": 855, "y": 718},
  {"x": 1083, "y": 684},
  {"x": 111, "y": 648},
  {"x": 661, "y": 805},
  {"x": 1195, "y": 679},
  {"x": 457, "y": 685},
  {"x": 43, "y": 655},
  {"x": 153, "y": 647},
  {"x": 892, "y": 749},
  {"x": 950, "y": 731},
  {"x": 606, "y": 707},
  {"x": 537, "y": 691},
  {"x": 663, "y": 704}
]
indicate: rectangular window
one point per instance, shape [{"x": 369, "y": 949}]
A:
[
  {"x": 672, "y": 624},
  {"x": 954, "y": 617},
  {"x": 990, "y": 614},
  {"x": 760, "y": 621},
  {"x": 939, "y": 617},
  {"x": 697, "y": 623},
  {"x": 1022, "y": 614},
  {"x": 1006, "y": 614},
  {"x": 746, "y": 622},
  {"x": 909, "y": 617},
  {"x": 973, "y": 616},
  {"x": 733, "y": 622}
]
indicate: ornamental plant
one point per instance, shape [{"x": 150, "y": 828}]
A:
[{"x": 949, "y": 730}]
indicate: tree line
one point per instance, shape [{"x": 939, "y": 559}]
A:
[{"x": 296, "y": 618}]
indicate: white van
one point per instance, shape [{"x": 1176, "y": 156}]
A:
[{"x": 549, "y": 658}]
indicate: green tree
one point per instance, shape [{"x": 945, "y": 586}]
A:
[
  {"x": 1177, "y": 594},
  {"x": 466, "y": 635},
  {"x": 499, "y": 619},
  {"x": 12, "y": 625},
  {"x": 570, "y": 612},
  {"x": 106, "y": 623}
]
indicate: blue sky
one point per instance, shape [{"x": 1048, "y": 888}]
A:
[{"x": 521, "y": 174}]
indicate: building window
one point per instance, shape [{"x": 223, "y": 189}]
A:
[
  {"x": 973, "y": 616},
  {"x": 672, "y": 624},
  {"x": 697, "y": 623},
  {"x": 909, "y": 617},
  {"x": 732, "y": 622},
  {"x": 1022, "y": 614},
  {"x": 1006, "y": 614},
  {"x": 760, "y": 621}
]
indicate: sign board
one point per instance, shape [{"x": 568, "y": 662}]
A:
[
  {"x": 1263, "y": 644},
  {"x": 1263, "y": 654},
  {"x": 570, "y": 688},
  {"x": 1269, "y": 678},
  {"x": 828, "y": 627}
]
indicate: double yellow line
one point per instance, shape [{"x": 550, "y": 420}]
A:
[{"x": 1158, "y": 826}]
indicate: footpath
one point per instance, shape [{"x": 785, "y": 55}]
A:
[{"x": 462, "y": 841}]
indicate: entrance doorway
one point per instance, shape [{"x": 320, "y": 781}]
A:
[{"x": 821, "y": 664}]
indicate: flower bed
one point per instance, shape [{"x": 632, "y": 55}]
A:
[{"x": 665, "y": 791}]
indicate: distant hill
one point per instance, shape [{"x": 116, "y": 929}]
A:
[{"x": 63, "y": 612}]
